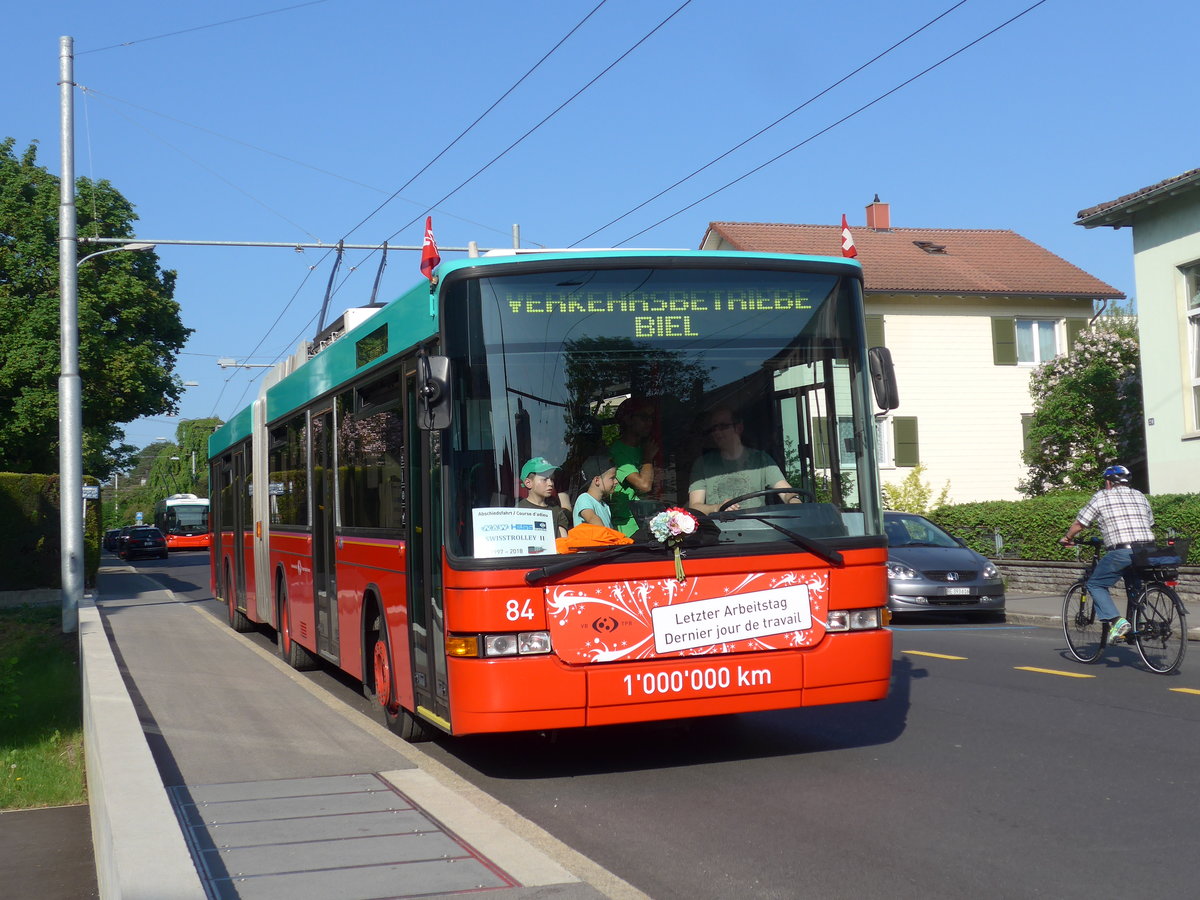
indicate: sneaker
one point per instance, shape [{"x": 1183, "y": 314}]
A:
[{"x": 1120, "y": 628}]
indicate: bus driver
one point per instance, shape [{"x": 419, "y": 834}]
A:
[{"x": 733, "y": 469}]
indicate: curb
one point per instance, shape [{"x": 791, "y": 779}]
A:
[
  {"x": 1047, "y": 621},
  {"x": 139, "y": 847}
]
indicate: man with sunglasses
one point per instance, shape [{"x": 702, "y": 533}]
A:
[{"x": 733, "y": 469}]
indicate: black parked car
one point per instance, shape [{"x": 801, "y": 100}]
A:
[
  {"x": 112, "y": 540},
  {"x": 143, "y": 540}
]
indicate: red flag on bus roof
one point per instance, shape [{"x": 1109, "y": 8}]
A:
[
  {"x": 429, "y": 251},
  {"x": 848, "y": 248}
]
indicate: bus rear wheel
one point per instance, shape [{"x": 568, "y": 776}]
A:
[
  {"x": 380, "y": 689},
  {"x": 293, "y": 653},
  {"x": 238, "y": 620}
]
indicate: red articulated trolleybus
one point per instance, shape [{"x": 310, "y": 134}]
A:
[{"x": 371, "y": 506}]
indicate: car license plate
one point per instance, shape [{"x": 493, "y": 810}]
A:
[{"x": 957, "y": 591}]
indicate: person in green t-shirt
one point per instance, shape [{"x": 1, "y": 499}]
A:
[
  {"x": 633, "y": 454},
  {"x": 733, "y": 469}
]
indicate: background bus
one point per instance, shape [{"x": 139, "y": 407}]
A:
[
  {"x": 365, "y": 503},
  {"x": 183, "y": 518}
]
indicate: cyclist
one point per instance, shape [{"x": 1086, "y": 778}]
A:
[{"x": 1126, "y": 522}]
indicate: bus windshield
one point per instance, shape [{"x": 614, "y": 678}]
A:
[
  {"x": 185, "y": 518},
  {"x": 705, "y": 384}
]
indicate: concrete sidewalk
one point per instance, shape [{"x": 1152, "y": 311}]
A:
[{"x": 216, "y": 771}]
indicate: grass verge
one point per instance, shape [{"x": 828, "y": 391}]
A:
[{"x": 41, "y": 711}]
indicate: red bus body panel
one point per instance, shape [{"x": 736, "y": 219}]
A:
[
  {"x": 189, "y": 541},
  {"x": 588, "y": 680},
  {"x": 607, "y": 670}
]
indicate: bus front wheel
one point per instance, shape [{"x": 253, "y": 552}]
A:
[{"x": 381, "y": 691}]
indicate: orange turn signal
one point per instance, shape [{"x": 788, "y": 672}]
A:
[{"x": 462, "y": 645}]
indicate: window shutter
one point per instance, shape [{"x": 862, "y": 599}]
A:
[
  {"x": 904, "y": 431},
  {"x": 820, "y": 426},
  {"x": 1004, "y": 341},
  {"x": 1026, "y": 444},
  {"x": 1074, "y": 327},
  {"x": 875, "y": 331}
]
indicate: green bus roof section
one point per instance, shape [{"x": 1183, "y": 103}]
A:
[{"x": 413, "y": 317}]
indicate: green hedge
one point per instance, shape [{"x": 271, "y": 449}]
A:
[
  {"x": 29, "y": 533},
  {"x": 1030, "y": 529}
]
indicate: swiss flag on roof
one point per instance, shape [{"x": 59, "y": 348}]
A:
[
  {"x": 848, "y": 248},
  {"x": 430, "y": 257}
]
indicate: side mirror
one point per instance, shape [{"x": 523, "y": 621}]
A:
[
  {"x": 433, "y": 392},
  {"x": 883, "y": 377}
]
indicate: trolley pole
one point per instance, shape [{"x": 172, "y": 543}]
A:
[{"x": 70, "y": 401}]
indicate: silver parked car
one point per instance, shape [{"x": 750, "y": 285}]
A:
[{"x": 929, "y": 571}]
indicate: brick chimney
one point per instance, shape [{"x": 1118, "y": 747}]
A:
[{"x": 879, "y": 215}]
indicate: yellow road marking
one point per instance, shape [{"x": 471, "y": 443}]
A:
[
  {"x": 934, "y": 655},
  {"x": 1052, "y": 672},
  {"x": 1185, "y": 690}
]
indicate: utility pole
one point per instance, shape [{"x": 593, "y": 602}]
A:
[{"x": 70, "y": 402}]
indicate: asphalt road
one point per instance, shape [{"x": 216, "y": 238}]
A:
[{"x": 993, "y": 769}]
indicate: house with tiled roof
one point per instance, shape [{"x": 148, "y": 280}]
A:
[
  {"x": 1165, "y": 223},
  {"x": 967, "y": 314}
]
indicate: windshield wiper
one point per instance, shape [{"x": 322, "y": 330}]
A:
[
  {"x": 833, "y": 557},
  {"x": 580, "y": 560}
]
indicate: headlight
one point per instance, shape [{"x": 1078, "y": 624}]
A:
[
  {"x": 524, "y": 644},
  {"x": 990, "y": 572},
  {"x": 899, "y": 570},
  {"x": 854, "y": 619},
  {"x": 499, "y": 645}
]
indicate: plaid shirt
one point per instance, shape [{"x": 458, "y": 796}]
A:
[{"x": 1124, "y": 515}]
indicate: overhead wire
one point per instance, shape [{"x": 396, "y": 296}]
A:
[
  {"x": 92, "y": 92},
  {"x": 544, "y": 120},
  {"x": 433, "y": 206},
  {"x": 158, "y": 37},
  {"x": 835, "y": 124},
  {"x": 478, "y": 119},
  {"x": 767, "y": 128},
  {"x": 209, "y": 170}
]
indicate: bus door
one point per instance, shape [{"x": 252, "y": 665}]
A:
[
  {"x": 324, "y": 534},
  {"x": 235, "y": 513},
  {"x": 425, "y": 611}
]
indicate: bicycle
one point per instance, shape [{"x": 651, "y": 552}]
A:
[{"x": 1157, "y": 615}]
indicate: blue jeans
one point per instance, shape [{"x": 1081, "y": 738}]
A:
[{"x": 1115, "y": 564}]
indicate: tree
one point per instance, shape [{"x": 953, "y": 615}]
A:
[
  {"x": 161, "y": 469},
  {"x": 915, "y": 495},
  {"x": 1087, "y": 411},
  {"x": 130, "y": 330},
  {"x": 191, "y": 438}
]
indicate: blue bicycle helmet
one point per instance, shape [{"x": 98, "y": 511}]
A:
[{"x": 1117, "y": 474}]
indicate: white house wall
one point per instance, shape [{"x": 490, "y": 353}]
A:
[
  {"x": 1165, "y": 237},
  {"x": 968, "y": 409}
]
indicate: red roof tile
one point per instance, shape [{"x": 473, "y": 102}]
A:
[
  {"x": 969, "y": 262},
  {"x": 1120, "y": 211}
]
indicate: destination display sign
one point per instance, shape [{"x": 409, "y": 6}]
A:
[{"x": 660, "y": 314}]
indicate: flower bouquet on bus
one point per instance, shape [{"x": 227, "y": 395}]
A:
[{"x": 670, "y": 528}]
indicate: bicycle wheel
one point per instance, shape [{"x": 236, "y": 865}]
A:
[
  {"x": 1160, "y": 629},
  {"x": 1083, "y": 630}
]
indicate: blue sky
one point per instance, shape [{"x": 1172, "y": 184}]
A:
[{"x": 297, "y": 124}]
